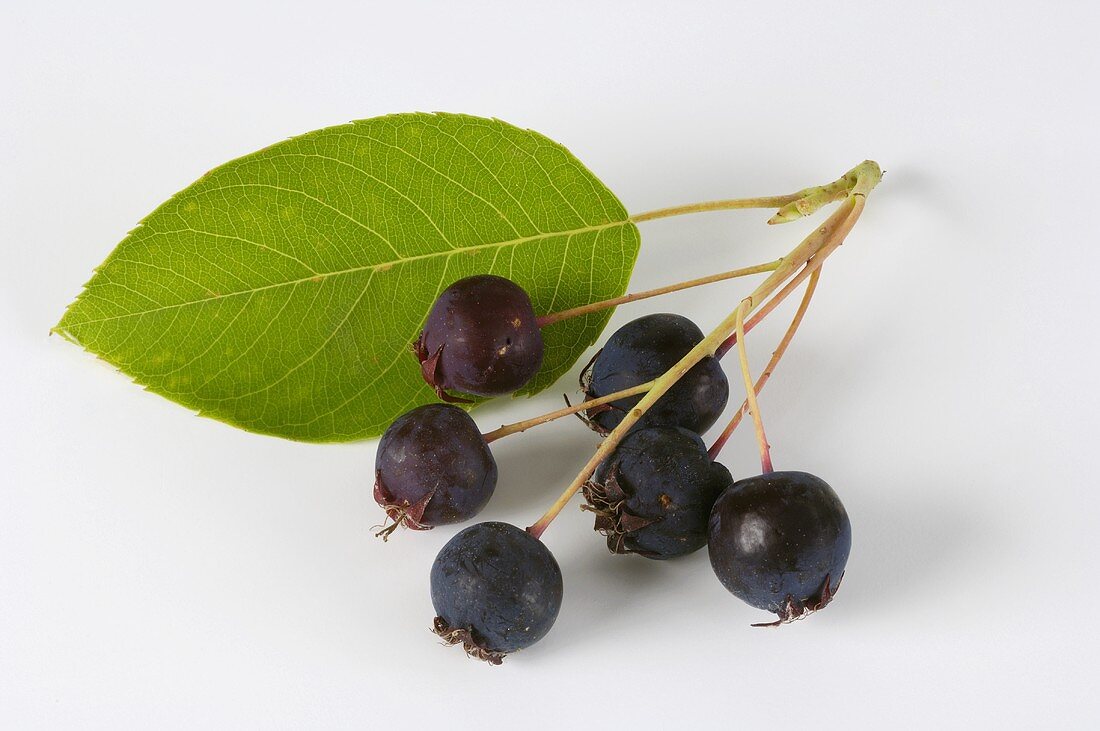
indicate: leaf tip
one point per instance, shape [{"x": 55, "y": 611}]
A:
[{"x": 65, "y": 334}]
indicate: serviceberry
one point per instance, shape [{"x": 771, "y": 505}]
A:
[
  {"x": 780, "y": 542},
  {"x": 642, "y": 350},
  {"x": 433, "y": 467},
  {"x": 653, "y": 494},
  {"x": 481, "y": 337},
  {"x": 496, "y": 589}
]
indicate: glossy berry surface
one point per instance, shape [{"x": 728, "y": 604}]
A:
[
  {"x": 653, "y": 494},
  {"x": 642, "y": 350},
  {"x": 433, "y": 467},
  {"x": 481, "y": 337},
  {"x": 780, "y": 542},
  {"x": 496, "y": 589}
]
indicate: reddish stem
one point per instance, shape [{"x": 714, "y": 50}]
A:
[{"x": 777, "y": 354}]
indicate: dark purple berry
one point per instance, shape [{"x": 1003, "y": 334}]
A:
[
  {"x": 433, "y": 468},
  {"x": 481, "y": 337},
  {"x": 653, "y": 494},
  {"x": 496, "y": 589},
  {"x": 780, "y": 542},
  {"x": 642, "y": 350}
]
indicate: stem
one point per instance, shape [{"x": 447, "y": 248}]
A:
[
  {"x": 526, "y": 424},
  {"x": 791, "y": 207},
  {"x": 850, "y": 181},
  {"x": 604, "y": 304},
  {"x": 776, "y": 201},
  {"x": 750, "y": 390},
  {"x": 729, "y": 343},
  {"x": 768, "y": 307},
  {"x": 826, "y": 237},
  {"x": 859, "y": 198},
  {"x": 720, "y": 442}
]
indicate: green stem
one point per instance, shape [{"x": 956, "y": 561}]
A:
[
  {"x": 553, "y": 317},
  {"x": 791, "y": 207},
  {"x": 526, "y": 424},
  {"x": 722, "y": 205},
  {"x": 827, "y": 236}
]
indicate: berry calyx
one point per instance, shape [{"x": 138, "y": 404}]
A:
[
  {"x": 654, "y": 494},
  {"x": 780, "y": 542},
  {"x": 643, "y": 350},
  {"x": 432, "y": 468},
  {"x": 495, "y": 589},
  {"x": 481, "y": 337}
]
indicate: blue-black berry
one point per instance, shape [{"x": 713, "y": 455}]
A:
[
  {"x": 780, "y": 542},
  {"x": 481, "y": 337},
  {"x": 653, "y": 494},
  {"x": 496, "y": 589},
  {"x": 642, "y": 350},
  {"x": 432, "y": 468}
]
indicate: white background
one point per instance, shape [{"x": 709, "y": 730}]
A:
[{"x": 159, "y": 570}]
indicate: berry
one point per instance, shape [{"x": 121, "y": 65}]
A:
[
  {"x": 481, "y": 337},
  {"x": 780, "y": 542},
  {"x": 642, "y": 350},
  {"x": 496, "y": 589},
  {"x": 654, "y": 494},
  {"x": 433, "y": 467}
]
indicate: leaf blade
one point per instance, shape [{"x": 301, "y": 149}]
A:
[{"x": 281, "y": 291}]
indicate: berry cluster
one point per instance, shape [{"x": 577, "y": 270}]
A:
[{"x": 778, "y": 540}]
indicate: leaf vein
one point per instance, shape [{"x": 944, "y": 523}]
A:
[
  {"x": 313, "y": 198},
  {"x": 443, "y": 175},
  {"x": 379, "y": 180},
  {"x": 382, "y": 266}
]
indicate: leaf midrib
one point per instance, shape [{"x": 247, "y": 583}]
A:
[{"x": 320, "y": 276}]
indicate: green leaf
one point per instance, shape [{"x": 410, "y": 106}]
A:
[{"x": 282, "y": 291}]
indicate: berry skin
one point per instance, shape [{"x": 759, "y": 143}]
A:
[
  {"x": 481, "y": 337},
  {"x": 653, "y": 494},
  {"x": 642, "y": 350},
  {"x": 780, "y": 542},
  {"x": 496, "y": 589},
  {"x": 433, "y": 467}
]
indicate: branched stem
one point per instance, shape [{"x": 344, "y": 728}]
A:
[
  {"x": 776, "y": 300},
  {"x": 550, "y": 319},
  {"x": 821, "y": 241},
  {"x": 777, "y": 354},
  {"x": 791, "y": 207}
]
